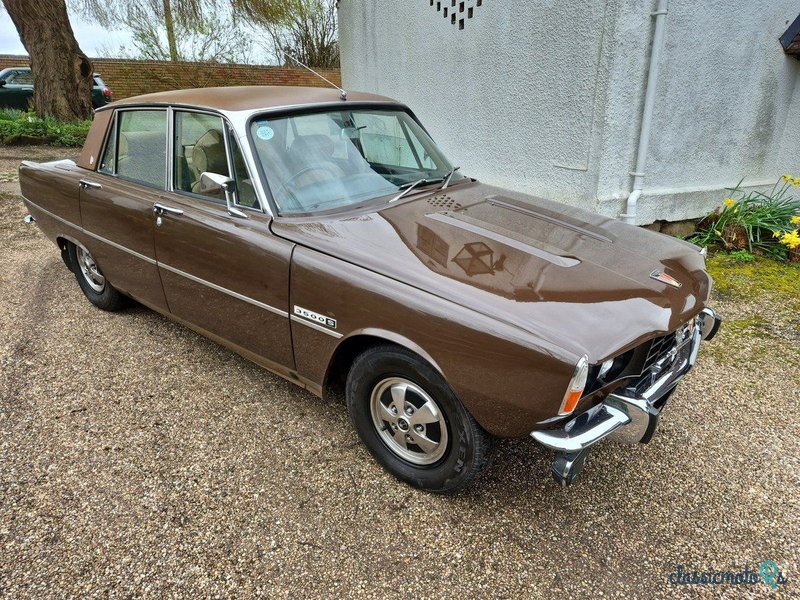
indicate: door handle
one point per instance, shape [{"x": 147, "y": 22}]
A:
[
  {"x": 85, "y": 184},
  {"x": 160, "y": 209}
]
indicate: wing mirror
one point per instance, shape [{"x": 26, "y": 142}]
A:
[
  {"x": 2, "y": 83},
  {"x": 213, "y": 183}
]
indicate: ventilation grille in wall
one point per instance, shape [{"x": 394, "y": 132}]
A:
[
  {"x": 790, "y": 40},
  {"x": 457, "y": 11}
]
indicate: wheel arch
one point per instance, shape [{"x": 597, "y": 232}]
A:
[{"x": 355, "y": 344}]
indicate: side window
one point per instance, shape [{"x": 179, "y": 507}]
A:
[
  {"x": 109, "y": 156},
  {"x": 244, "y": 185},
  {"x": 20, "y": 78},
  {"x": 199, "y": 147},
  {"x": 142, "y": 146}
]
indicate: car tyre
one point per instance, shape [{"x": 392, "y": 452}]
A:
[
  {"x": 412, "y": 422},
  {"x": 92, "y": 282}
]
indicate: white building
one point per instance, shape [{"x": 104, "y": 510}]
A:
[{"x": 548, "y": 96}]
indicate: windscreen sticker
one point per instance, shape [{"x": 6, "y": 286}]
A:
[{"x": 265, "y": 132}]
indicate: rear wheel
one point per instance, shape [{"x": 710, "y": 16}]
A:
[
  {"x": 412, "y": 422},
  {"x": 92, "y": 282}
]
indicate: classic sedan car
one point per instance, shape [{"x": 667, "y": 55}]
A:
[
  {"x": 16, "y": 89},
  {"x": 330, "y": 241}
]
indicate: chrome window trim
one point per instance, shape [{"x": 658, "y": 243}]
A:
[
  {"x": 333, "y": 334},
  {"x": 112, "y": 126}
]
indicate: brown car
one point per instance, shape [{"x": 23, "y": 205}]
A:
[{"x": 331, "y": 242}]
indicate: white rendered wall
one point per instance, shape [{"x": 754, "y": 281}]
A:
[{"x": 545, "y": 97}]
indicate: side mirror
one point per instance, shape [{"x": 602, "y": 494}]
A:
[
  {"x": 213, "y": 183},
  {"x": 2, "y": 83}
]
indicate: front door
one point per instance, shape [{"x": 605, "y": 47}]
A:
[
  {"x": 117, "y": 203},
  {"x": 226, "y": 275}
]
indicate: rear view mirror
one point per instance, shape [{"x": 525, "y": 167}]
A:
[
  {"x": 351, "y": 133},
  {"x": 213, "y": 183}
]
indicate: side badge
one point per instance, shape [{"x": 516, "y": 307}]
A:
[
  {"x": 315, "y": 317},
  {"x": 664, "y": 278}
]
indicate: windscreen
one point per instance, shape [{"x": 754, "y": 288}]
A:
[{"x": 335, "y": 159}]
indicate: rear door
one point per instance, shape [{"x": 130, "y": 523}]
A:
[
  {"x": 117, "y": 203},
  {"x": 226, "y": 275}
]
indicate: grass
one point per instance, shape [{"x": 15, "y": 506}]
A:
[
  {"x": 755, "y": 276},
  {"x": 20, "y": 127}
]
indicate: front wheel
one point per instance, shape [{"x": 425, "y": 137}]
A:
[
  {"x": 412, "y": 422},
  {"x": 92, "y": 282}
]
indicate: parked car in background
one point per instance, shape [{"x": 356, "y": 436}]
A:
[
  {"x": 332, "y": 242},
  {"x": 16, "y": 89}
]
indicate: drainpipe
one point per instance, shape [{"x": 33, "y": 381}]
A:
[{"x": 647, "y": 112}]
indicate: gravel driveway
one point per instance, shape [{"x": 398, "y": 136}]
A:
[{"x": 139, "y": 459}]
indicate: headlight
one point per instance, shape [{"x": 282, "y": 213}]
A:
[{"x": 576, "y": 386}]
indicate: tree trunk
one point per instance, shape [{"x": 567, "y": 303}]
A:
[
  {"x": 170, "y": 25},
  {"x": 62, "y": 73}
]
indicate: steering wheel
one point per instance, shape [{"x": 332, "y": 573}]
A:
[{"x": 290, "y": 182}]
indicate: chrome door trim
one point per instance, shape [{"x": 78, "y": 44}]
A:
[
  {"x": 219, "y": 288},
  {"x": 302, "y": 321},
  {"x": 149, "y": 260},
  {"x": 100, "y": 238}
]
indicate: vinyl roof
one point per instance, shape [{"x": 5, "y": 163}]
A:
[{"x": 246, "y": 98}]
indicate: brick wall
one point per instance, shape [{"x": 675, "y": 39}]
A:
[{"x": 132, "y": 77}]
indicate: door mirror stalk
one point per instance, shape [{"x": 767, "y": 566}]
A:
[{"x": 212, "y": 183}]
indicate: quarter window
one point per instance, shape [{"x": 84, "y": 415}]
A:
[
  {"x": 110, "y": 153},
  {"x": 244, "y": 185},
  {"x": 142, "y": 146}
]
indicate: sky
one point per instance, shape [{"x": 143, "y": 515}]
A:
[{"x": 91, "y": 38}]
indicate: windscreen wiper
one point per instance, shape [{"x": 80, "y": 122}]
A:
[
  {"x": 410, "y": 186},
  {"x": 449, "y": 176}
]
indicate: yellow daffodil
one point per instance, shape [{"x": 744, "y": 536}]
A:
[
  {"x": 777, "y": 234},
  {"x": 791, "y": 240},
  {"x": 796, "y": 181},
  {"x": 718, "y": 233},
  {"x": 796, "y": 220},
  {"x": 729, "y": 202},
  {"x": 787, "y": 178}
]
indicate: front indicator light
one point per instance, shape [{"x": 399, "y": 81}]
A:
[{"x": 576, "y": 386}]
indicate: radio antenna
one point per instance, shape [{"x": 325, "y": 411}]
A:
[{"x": 342, "y": 92}]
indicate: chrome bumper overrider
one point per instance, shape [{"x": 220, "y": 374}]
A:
[{"x": 627, "y": 415}]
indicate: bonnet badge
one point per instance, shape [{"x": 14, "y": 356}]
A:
[{"x": 664, "y": 278}]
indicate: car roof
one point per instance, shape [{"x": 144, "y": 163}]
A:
[
  {"x": 248, "y": 98},
  {"x": 28, "y": 69}
]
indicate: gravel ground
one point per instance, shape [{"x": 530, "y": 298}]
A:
[{"x": 138, "y": 459}]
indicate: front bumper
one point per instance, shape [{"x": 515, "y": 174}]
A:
[{"x": 628, "y": 415}]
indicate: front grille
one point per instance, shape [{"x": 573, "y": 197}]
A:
[
  {"x": 659, "y": 348},
  {"x": 661, "y": 355}
]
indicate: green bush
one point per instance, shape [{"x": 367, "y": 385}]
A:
[
  {"x": 755, "y": 222},
  {"x": 19, "y": 127}
]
